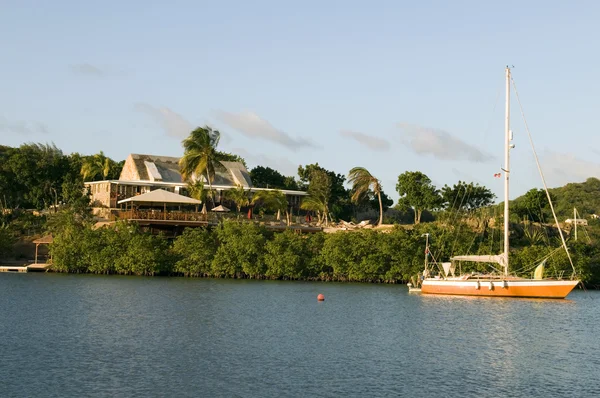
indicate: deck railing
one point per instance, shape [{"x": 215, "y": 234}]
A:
[
  {"x": 161, "y": 215},
  {"x": 211, "y": 217}
]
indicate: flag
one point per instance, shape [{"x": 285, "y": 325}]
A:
[{"x": 498, "y": 175}]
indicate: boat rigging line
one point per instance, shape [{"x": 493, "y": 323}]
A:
[{"x": 537, "y": 162}]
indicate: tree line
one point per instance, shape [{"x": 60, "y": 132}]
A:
[{"x": 247, "y": 250}]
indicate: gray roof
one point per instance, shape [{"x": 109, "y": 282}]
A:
[{"x": 166, "y": 169}]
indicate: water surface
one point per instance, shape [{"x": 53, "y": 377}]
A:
[{"x": 85, "y": 335}]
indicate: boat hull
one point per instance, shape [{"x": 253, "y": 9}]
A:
[{"x": 529, "y": 288}]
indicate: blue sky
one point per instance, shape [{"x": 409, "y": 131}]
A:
[{"x": 391, "y": 86}]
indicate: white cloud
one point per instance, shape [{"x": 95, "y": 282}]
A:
[
  {"x": 562, "y": 168},
  {"x": 170, "y": 121},
  {"x": 88, "y": 70},
  {"x": 441, "y": 144},
  {"x": 23, "y": 127},
  {"x": 253, "y": 126},
  {"x": 375, "y": 143}
]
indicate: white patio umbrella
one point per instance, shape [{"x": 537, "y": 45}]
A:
[{"x": 220, "y": 208}]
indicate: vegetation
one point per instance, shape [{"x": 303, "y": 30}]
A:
[
  {"x": 266, "y": 177},
  {"x": 200, "y": 156},
  {"x": 197, "y": 190},
  {"x": 319, "y": 195},
  {"x": 274, "y": 201},
  {"x": 40, "y": 176},
  {"x": 417, "y": 192},
  {"x": 240, "y": 196},
  {"x": 100, "y": 167},
  {"x": 120, "y": 249},
  {"x": 246, "y": 250},
  {"x": 534, "y": 206},
  {"x": 463, "y": 196},
  {"x": 362, "y": 181},
  {"x": 329, "y": 190}
]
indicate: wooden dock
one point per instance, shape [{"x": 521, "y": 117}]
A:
[
  {"x": 13, "y": 268},
  {"x": 42, "y": 267}
]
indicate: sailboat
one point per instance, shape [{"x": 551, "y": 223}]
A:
[{"x": 503, "y": 284}]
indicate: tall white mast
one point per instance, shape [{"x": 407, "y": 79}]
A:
[{"x": 507, "y": 139}]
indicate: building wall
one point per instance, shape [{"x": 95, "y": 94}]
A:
[
  {"x": 129, "y": 172},
  {"x": 100, "y": 194}
]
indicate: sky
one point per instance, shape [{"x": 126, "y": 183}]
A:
[{"x": 391, "y": 86}]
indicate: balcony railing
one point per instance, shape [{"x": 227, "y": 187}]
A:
[{"x": 162, "y": 216}]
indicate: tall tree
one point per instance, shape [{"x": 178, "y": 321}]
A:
[
  {"x": 200, "y": 156},
  {"x": 37, "y": 170},
  {"x": 533, "y": 206},
  {"x": 319, "y": 194},
  {"x": 463, "y": 196},
  {"x": 362, "y": 181},
  {"x": 197, "y": 190},
  {"x": 273, "y": 200},
  {"x": 417, "y": 191},
  {"x": 94, "y": 166},
  {"x": 338, "y": 201},
  {"x": 266, "y": 177},
  {"x": 239, "y": 196}
]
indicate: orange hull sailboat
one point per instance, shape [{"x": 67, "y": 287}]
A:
[
  {"x": 509, "y": 287},
  {"x": 496, "y": 285}
]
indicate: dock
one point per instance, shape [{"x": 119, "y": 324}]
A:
[
  {"x": 36, "y": 267},
  {"x": 39, "y": 267},
  {"x": 13, "y": 268}
]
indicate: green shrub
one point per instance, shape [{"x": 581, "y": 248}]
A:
[
  {"x": 195, "y": 250},
  {"x": 241, "y": 250}
]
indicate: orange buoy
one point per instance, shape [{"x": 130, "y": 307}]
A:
[{"x": 320, "y": 297}]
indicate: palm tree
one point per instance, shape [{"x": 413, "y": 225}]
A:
[
  {"x": 239, "y": 196},
  {"x": 318, "y": 204},
  {"x": 94, "y": 165},
  {"x": 274, "y": 200},
  {"x": 362, "y": 181},
  {"x": 200, "y": 156},
  {"x": 197, "y": 190}
]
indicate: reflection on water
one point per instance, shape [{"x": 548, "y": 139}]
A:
[{"x": 131, "y": 336}]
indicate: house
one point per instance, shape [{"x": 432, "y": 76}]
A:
[{"x": 145, "y": 173}]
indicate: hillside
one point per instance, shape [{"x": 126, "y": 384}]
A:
[{"x": 584, "y": 196}]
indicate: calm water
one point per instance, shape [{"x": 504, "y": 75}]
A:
[{"x": 70, "y": 335}]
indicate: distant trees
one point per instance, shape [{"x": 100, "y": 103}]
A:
[
  {"x": 362, "y": 181},
  {"x": 319, "y": 194},
  {"x": 417, "y": 191},
  {"x": 99, "y": 166},
  {"x": 338, "y": 197},
  {"x": 231, "y": 157},
  {"x": 533, "y": 206},
  {"x": 240, "y": 196},
  {"x": 40, "y": 175},
  {"x": 463, "y": 196},
  {"x": 266, "y": 177},
  {"x": 274, "y": 200},
  {"x": 200, "y": 156}
]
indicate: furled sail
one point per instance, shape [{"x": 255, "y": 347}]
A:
[{"x": 498, "y": 259}]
